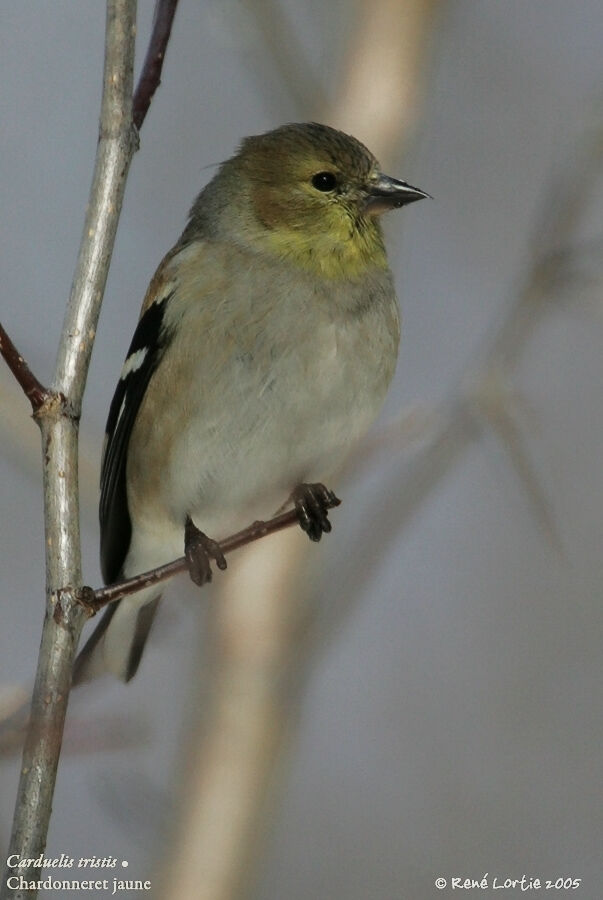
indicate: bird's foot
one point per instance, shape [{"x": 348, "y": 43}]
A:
[
  {"x": 312, "y": 502},
  {"x": 198, "y": 549}
]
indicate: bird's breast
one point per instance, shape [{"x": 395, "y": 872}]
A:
[{"x": 283, "y": 377}]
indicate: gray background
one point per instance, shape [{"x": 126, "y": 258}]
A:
[{"x": 451, "y": 723}]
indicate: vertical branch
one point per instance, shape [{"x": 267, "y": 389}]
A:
[
  {"x": 57, "y": 412},
  {"x": 58, "y": 418}
]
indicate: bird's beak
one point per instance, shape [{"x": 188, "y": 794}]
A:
[{"x": 388, "y": 193}]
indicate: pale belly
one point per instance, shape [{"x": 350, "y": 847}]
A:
[
  {"x": 274, "y": 428},
  {"x": 260, "y": 422}
]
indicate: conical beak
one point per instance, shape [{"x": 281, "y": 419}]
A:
[{"x": 388, "y": 193}]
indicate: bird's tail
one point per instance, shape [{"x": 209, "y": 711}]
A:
[{"x": 117, "y": 642}]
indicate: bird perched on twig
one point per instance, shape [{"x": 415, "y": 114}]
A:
[{"x": 266, "y": 343}]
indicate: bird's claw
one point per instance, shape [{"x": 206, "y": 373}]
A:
[
  {"x": 198, "y": 550},
  {"x": 312, "y": 502}
]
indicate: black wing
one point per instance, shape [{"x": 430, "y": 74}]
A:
[{"x": 148, "y": 346}]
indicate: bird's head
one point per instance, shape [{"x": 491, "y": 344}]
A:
[{"x": 312, "y": 195}]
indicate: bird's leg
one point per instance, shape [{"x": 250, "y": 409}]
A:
[
  {"x": 312, "y": 502},
  {"x": 198, "y": 548}
]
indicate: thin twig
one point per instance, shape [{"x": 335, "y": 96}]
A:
[
  {"x": 150, "y": 77},
  {"x": 35, "y": 392},
  {"x": 103, "y": 596}
]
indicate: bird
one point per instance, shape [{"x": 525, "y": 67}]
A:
[{"x": 266, "y": 343}]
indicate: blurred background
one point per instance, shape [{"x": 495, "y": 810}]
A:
[{"x": 429, "y": 704}]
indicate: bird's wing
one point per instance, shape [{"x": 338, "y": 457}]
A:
[{"x": 149, "y": 343}]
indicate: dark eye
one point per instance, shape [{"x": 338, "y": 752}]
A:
[{"x": 324, "y": 181}]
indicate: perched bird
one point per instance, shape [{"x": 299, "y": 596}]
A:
[{"x": 266, "y": 343}]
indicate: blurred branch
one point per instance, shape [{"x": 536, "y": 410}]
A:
[
  {"x": 83, "y": 734},
  {"x": 482, "y": 394},
  {"x": 14, "y": 703},
  {"x": 496, "y": 404},
  {"x": 21, "y": 442},
  {"x": 570, "y": 191},
  {"x": 18, "y": 435},
  {"x": 564, "y": 204},
  {"x": 413, "y": 426},
  {"x": 379, "y": 92},
  {"x": 255, "y": 635},
  {"x": 285, "y": 49},
  {"x": 260, "y": 620},
  {"x": 384, "y": 68}
]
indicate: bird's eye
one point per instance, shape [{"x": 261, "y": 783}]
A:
[{"x": 324, "y": 181}]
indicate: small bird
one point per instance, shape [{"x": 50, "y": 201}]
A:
[{"x": 265, "y": 346}]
